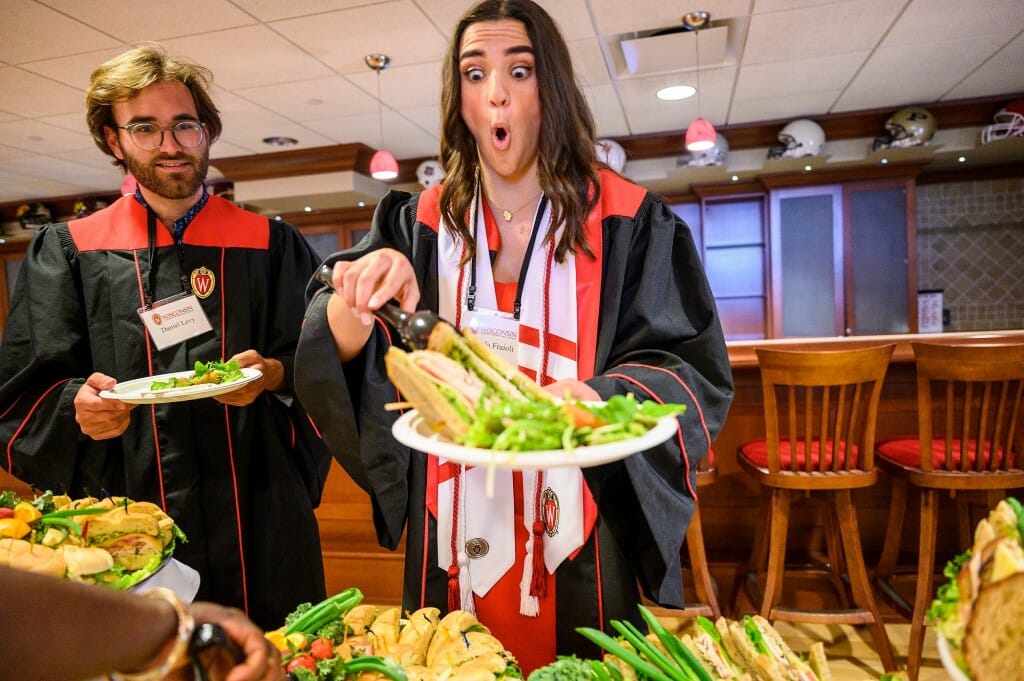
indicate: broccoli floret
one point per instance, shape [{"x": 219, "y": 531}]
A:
[
  {"x": 301, "y": 674},
  {"x": 298, "y": 612},
  {"x": 336, "y": 630},
  {"x": 565, "y": 668}
]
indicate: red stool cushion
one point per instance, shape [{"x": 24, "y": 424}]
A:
[
  {"x": 907, "y": 452},
  {"x": 756, "y": 451}
]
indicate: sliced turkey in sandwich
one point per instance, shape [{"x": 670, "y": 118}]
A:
[
  {"x": 447, "y": 381},
  {"x": 133, "y": 539}
]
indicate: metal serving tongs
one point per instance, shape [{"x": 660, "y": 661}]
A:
[{"x": 413, "y": 327}]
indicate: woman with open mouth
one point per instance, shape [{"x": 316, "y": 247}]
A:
[{"x": 587, "y": 283}]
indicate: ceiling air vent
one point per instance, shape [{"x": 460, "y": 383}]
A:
[{"x": 674, "y": 49}]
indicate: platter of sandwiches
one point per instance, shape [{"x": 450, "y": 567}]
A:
[
  {"x": 978, "y": 613},
  {"x": 113, "y": 542},
  {"x": 206, "y": 380},
  {"x": 466, "y": 404}
]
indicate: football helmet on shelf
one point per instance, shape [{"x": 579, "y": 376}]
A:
[
  {"x": 715, "y": 156},
  {"x": 909, "y": 127},
  {"x": 611, "y": 154},
  {"x": 1009, "y": 122},
  {"x": 802, "y": 137},
  {"x": 34, "y": 214},
  {"x": 429, "y": 173}
]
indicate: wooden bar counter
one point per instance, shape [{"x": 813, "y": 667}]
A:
[{"x": 729, "y": 507}]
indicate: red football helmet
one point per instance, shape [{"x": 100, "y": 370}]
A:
[{"x": 1009, "y": 122}]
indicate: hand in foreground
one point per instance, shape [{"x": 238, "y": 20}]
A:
[
  {"x": 100, "y": 418},
  {"x": 262, "y": 660},
  {"x": 272, "y": 378},
  {"x": 573, "y": 389}
]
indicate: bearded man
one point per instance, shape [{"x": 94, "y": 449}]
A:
[{"x": 161, "y": 279}]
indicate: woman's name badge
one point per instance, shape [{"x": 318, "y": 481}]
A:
[
  {"x": 175, "y": 319},
  {"x": 498, "y": 330}
]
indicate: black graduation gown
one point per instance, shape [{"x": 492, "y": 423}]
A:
[
  {"x": 242, "y": 483},
  {"x": 657, "y": 328}
]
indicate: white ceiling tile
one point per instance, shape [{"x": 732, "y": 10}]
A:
[
  {"x": 39, "y": 188},
  {"x": 769, "y": 6},
  {"x": 75, "y": 122},
  {"x": 157, "y": 20},
  {"x": 805, "y": 105},
  {"x": 783, "y": 79},
  {"x": 609, "y": 118},
  {"x": 645, "y": 113},
  {"x": 930, "y": 21},
  {"x": 402, "y": 87},
  {"x": 616, "y": 16},
  {"x": 75, "y": 70},
  {"x": 92, "y": 157},
  {"x": 32, "y": 31},
  {"x": 45, "y": 167},
  {"x": 269, "y": 10},
  {"x": 409, "y": 38},
  {"x": 588, "y": 61},
  {"x": 248, "y": 57},
  {"x": 224, "y": 149},
  {"x": 990, "y": 78},
  {"x": 311, "y": 100},
  {"x": 817, "y": 31},
  {"x": 571, "y": 17},
  {"x": 28, "y": 95},
  {"x": 41, "y": 138},
  {"x": 884, "y": 80}
]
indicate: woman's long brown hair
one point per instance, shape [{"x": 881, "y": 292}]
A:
[{"x": 567, "y": 156}]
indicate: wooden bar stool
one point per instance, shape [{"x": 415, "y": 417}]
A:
[
  {"x": 820, "y": 409},
  {"x": 703, "y": 584},
  {"x": 706, "y": 602},
  {"x": 970, "y": 439}
]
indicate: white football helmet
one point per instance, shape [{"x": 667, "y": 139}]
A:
[
  {"x": 429, "y": 173},
  {"x": 802, "y": 137},
  {"x": 715, "y": 156},
  {"x": 611, "y": 153},
  {"x": 1009, "y": 122},
  {"x": 908, "y": 127}
]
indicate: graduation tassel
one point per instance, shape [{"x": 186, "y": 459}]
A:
[
  {"x": 539, "y": 584},
  {"x": 454, "y": 597}
]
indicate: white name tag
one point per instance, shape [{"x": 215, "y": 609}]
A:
[
  {"x": 498, "y": 330},
  {"x": 175, "y": 319}
]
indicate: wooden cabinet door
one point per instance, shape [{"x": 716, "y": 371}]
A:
[
  {"x": 734, "y": 260},
  {"x": 881, "y": 237},
  {"x": 807, "y": 262}
]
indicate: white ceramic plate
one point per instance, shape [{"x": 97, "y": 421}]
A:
[
  {"x": 137, "y": 391},
  {"x": 946, "y": 655},
  {"x": 411, "y": 430}
]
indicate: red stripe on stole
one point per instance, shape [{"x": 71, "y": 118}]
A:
[{"x": 556, "y": 344}]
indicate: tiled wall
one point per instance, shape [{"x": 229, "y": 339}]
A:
[{"x": 970, "y": 243}]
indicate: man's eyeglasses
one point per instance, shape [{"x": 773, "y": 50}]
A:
[{"x": 149, "y": 136}]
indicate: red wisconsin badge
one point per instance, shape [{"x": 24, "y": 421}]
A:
[
  {"x": 203, "y": 282},
  {"x": 549, "y": 507}
]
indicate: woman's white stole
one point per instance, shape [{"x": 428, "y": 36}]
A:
[{"x": 548, "y": 314}]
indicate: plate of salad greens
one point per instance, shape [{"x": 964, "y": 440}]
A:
[
  {"x": 530, "y": 435},
  {"x": 207, "y": 379}
]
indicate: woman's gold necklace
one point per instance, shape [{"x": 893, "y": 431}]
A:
[{"x": 507, "y": 214}]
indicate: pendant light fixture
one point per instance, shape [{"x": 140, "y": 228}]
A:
[
  {"x": 700, "y": 136},
  {"x": 383, "y": 165}
]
